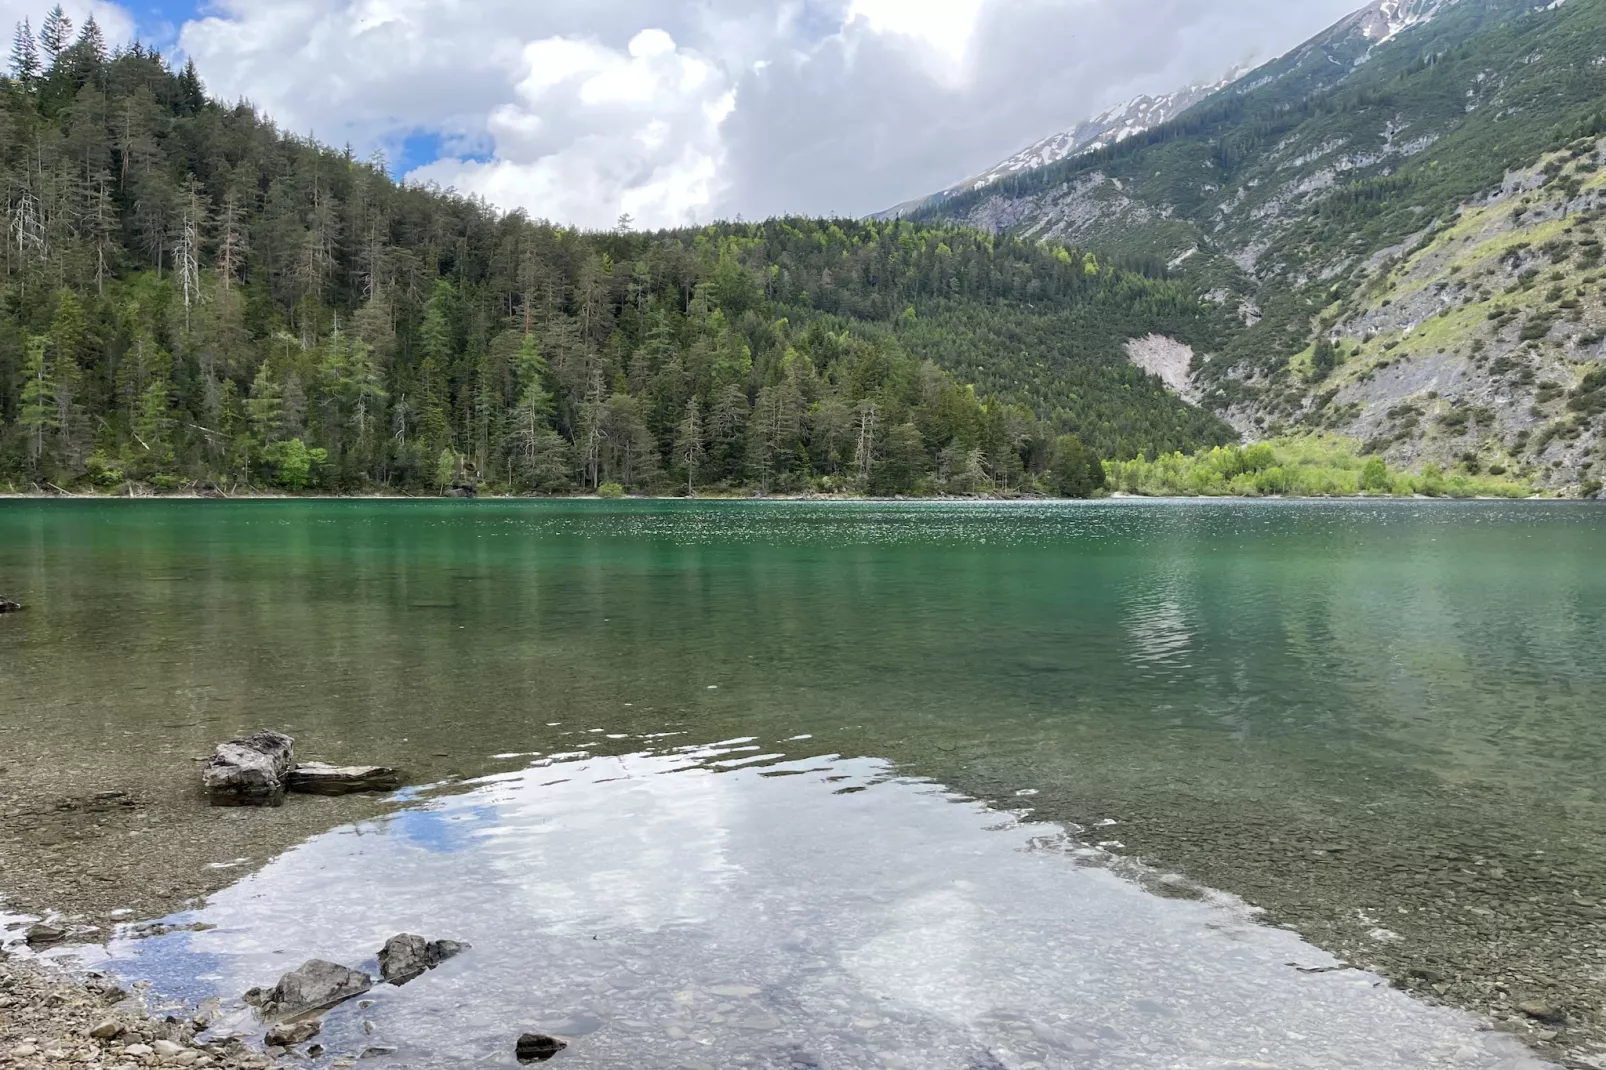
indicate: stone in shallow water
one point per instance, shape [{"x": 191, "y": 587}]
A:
[
  {"x": 537, "y": 1047},
  {"x": 406, "y": 956},
  {"x": 320, "y": 778},
  {"x": 43, "y": 935},
  {"x": 287, "y": 1033},
  {"x": 250, "y": 771},
  {"x": 312, "y": 985}
]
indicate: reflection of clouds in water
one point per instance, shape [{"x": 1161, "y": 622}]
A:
[
  {"x": 654, "y": 855},
  {"x": 664, "y": 915},
  {"x": 929, "y": 956}
]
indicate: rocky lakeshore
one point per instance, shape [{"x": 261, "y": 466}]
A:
[{"x": 48, "y": 1019}]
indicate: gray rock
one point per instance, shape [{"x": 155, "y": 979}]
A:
[
  {"x": 250, "y": 771},
  {"x": 287, "y": 1033},
  {"x": 537, "y": 1048},
  {"x": 317, "y": 778},
  {"x": 312, "y": 986},
  {"x": 107, "y": 1030},
  {"x": 43, "y": 935},
  {"x": 406, "y": 956},
  {"x": 8, "y": 606},
  {"x": 1542, "y": 1012}
]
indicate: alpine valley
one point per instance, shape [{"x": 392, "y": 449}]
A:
[
  {"x": 1398, "y": 225},
  {"x": 1389, "y": 238}
]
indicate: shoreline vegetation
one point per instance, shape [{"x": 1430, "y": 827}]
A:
[
  {"x": 1303, "y": 468},
  {"x": 1318, "y": 466}
]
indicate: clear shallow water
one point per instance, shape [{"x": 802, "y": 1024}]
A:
[
  {"x": 728, "y": 906},
  {"x": 1379, "y": 720}
]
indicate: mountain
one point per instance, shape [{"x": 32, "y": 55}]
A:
[
  {"x": 188, "y": 296},
  {"x": 1398, "y": 223},
  {"x": 1112, "y": 127}
]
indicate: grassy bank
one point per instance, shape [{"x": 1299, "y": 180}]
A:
[{"x": 1315, "y": 466}]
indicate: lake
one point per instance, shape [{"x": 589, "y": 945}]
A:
[{"x": 827, "y": 784}]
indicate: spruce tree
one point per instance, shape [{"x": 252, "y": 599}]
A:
[
  {"x": 56, "y": 33},
  {"x": 689, "y": 449},
  {"x": 25, "y": 65},
  {"x": 39, "y": 413},
  {"x": 191, "y": 94},
  {"x": 92, "y": 41}
]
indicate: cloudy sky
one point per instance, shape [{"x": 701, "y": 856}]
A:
[{"x": 681, "y": 111}]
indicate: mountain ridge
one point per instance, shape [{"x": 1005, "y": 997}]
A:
[
  {"x": 1284, "y": 197},
  {"x": 1377, "y": 23},
  {"x": 1114, "y": 125}
]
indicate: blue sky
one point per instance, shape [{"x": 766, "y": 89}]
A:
[{"x": 680, "y": 111}]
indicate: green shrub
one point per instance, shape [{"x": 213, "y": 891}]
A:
[
  {"x": 611, "y": 490},
  {"x": 1313, "y": 466}
]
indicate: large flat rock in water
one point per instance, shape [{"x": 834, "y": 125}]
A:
[{"x": 319, "y": 778}]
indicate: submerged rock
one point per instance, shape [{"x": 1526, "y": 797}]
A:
[
  {"x": 537, "y": 1048},
  {"x": 287, "y": 1033},
  {"x": 319, "y": 778},
  {"x": 406, "y": 956},
  {"x": 8, "y": 606},
  {"x": 250, "y": 771},
  {"x": 313, "y": 985},
  {"x": 44, "y": 934},
  {"x": 1542, "y": 1012}
]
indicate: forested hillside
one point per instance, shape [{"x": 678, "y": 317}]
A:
[{"x": 192, "y": 295}]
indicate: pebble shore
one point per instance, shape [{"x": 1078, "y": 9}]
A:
[{"x": 47, "y": 1019}]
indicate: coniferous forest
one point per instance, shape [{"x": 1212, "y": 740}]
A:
[{"x": 193, "y": 297}]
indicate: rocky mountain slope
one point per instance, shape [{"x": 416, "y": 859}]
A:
[{"x": 1399, "y": 223}]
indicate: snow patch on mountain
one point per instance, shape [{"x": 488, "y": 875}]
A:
[
  {"x": 1135, "y": 117},
  {"x": 1387, "y": 19}
]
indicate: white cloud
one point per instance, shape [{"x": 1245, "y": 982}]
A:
[
  {"x": 945, "y": 26},
  {"x": 675, "y": 110},
  {"x": 596, "y": 132}
]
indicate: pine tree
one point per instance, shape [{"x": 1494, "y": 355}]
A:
[
  {"x": 67, "y": 346},
  {"x": 689, "y": 448},
  {"x": 264, "y": 408},
  {"x": 25, "y": 65},
  {"x": 92, "y": 41},
  {"x": 40, "y": 413},
  {"x": 55, "y": 34},
  {"x": 191, "y": 93}
]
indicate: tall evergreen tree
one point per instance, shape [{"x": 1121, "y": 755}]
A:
[
  {"x": 55, "y": 34},
  {"x": 25, "y": 64}
]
